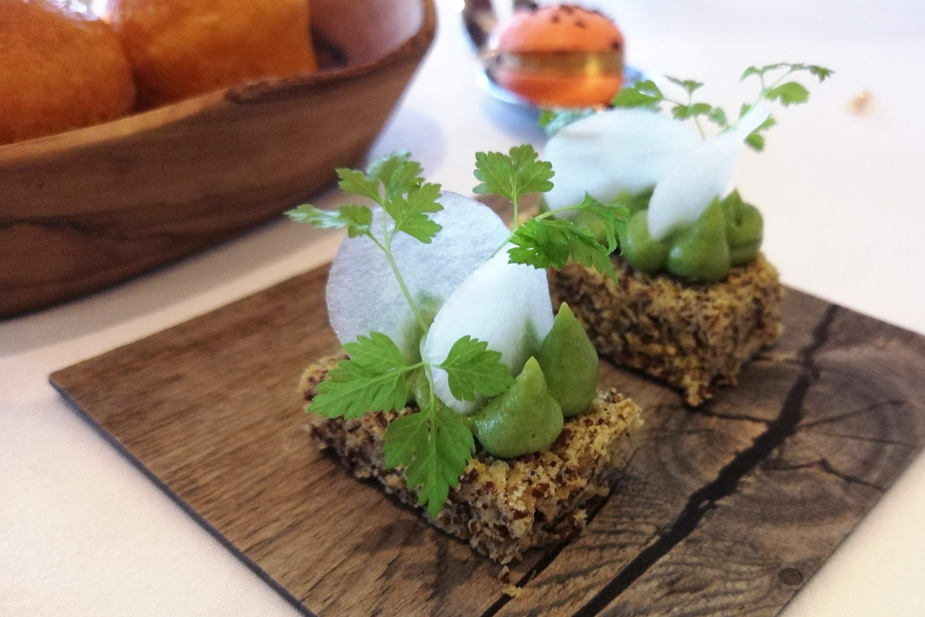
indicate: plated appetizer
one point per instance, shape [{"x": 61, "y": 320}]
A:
[
  {"x": 458, "y": 389},
  {"x": 696, "y": 298}
]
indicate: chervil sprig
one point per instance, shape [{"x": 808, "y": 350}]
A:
[
  {"x": 785, "y": 92},
  {"x": 433, "y": 446},
  {"x": 543, "y": 241},
  {"x": 372, "y": 378},
  {"x": 394, "y": 183},
  {"x": 778, "y": 89},
  {"x": 775, "y": 87},
  {"x": 473, "y": 369},
  {"x": 553, "y": 120},
  {"x": 512, "y": 175}
]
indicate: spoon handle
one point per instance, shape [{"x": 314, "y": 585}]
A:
[{"x": 481, "y": 17}]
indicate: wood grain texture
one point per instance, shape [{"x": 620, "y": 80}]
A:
[
  {"x": 723, "y": 510},
  {"x": 88, "y": 208}
]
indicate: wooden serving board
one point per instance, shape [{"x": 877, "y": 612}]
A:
[{"x": 723, "y": 510}]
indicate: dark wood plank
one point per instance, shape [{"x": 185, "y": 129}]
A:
[
  {"x": 730, "y": 508},
  {"x": 724, "y": 510}
]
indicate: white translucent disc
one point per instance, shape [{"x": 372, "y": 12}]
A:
[{"x": 363, "y": 294}]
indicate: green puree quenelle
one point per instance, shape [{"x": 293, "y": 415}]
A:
[
  {"x": 727, "y": 234},
  {"x": 559, "y": 382}
]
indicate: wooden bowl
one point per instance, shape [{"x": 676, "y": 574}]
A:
[{"x": 85, "y": 209}]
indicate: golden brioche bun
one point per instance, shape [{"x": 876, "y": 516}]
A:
[
  {"x": 560, "y": 56},
  {"x": 60, "y": 68},
  {"x": 181, "y": 48}
]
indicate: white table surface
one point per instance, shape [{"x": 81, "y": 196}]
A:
[{"x": 82, "y": 532}]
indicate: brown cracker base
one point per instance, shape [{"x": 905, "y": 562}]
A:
[
  {"x": 502, "y": 508},
  {"x": 692, "y": 335}
]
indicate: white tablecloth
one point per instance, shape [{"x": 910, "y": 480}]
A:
[{"x": 83, "y": 533}]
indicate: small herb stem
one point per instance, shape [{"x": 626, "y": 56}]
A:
[
  {"x": 432, "y": 395},
  {"x": 386, "y": 247},
  {"x": 699, "y": 126},
  {"x": 550, "y": 213},
  {"x": 516, "y": 211},
  {"x": 428, "y": 369},
  {"x": 516, "y": 224},
  {"x": 690, "y": 102},
  {"x": 538, "y": 217},
  {"x": 765, "y": 90}
]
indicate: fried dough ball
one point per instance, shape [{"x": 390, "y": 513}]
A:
[
  {"x": 181, "y": 48},
  {"x": 60, "y": 68}
]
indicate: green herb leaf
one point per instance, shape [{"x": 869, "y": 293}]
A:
[
  {"x": 397, "y": 172},
  {"x": 410, "y": 212},
  {"x": 551, "y": 243},
  {"x": 474, "y": 369},
  {"x": 820, "y": 72},
  {"x": 585, "y": 250},
  {"x": 775, "y": 88},
  {"x": 376, "y": 353},
  {"x": 356, "y": 219},
  {"x": 700, "y": 110},
  {"x": 689, "y": 85},
  {"x": 512, "y": 175},
  {"x": 718, "y": 116},
  {"x": 403, "y": 438},
  {"x": 372, "y": 378},
  {"x": 643, "y": 93},
  {"x": 356, "y": 182},
  {"x": 552, "y": 121},
  {"x": 613, "y": 217},
  {"x": 758, "y": 71},
  {"x": 433, "y": 446},
  {"x": 541, "y": 243},
  {"x": 788, "y": 93},
  {"x": 756, "y": 138}
]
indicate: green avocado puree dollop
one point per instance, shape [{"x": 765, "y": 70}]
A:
[
  {"x": 569, "y": 362},
  {"x": 728, "y": 233},
  {"x": 560, "y": 381},
  {"x": 524, "y": 419}
]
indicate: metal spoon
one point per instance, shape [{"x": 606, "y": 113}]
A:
[{"x": 480, "y": 19}]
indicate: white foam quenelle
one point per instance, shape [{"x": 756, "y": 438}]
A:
[
  {"x": 363, "y": 294},
  {"x": 702, "y": 174},
  {"x": 616, "y": 151},
  {"x": 506, "y": 305}
]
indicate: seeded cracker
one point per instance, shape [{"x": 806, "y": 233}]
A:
[
  {"x": 501, "y": 508},
  {"x": 694, "y": 336}
]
